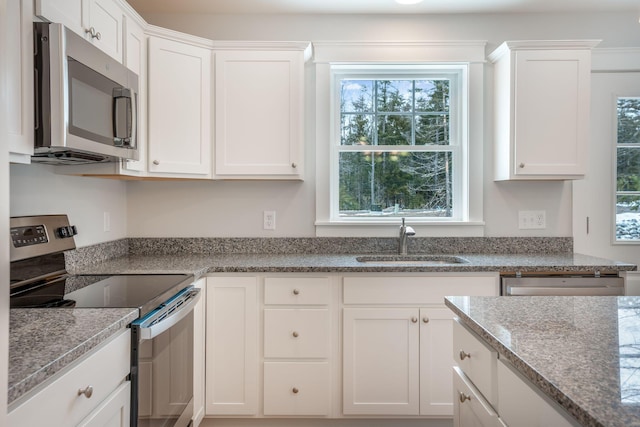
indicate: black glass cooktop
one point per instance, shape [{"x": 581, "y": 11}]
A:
[{"x": 142, "y": 291}]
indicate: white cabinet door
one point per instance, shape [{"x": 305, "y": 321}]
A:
[
  {"x": 99, "y": 21},
  {"x": 297, "y": 388},
  {"x": 259, "y": 114},
  {"x": 380, "y": 361},
  {"x": 470, "y": 407},
  {"x": 19, "y": 83},
  {"x": 232, "y": 346},
  {"x": 542, "y": 95},
  {"x": 114, "y": 411},
  {"x": 179, "y": 141},
  {"x": 436, "y": 339}
]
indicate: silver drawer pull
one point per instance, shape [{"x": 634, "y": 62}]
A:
[
  {"x": 463, "y": 397},
  {"x": 464, "y": 355},
  {"x": 296, "y": 291},
  {"x": 521, "y": 165},
  {"x": 294, "y": 165},
  {"x": 414, "y": 320},
  {"x": 425, "y": 320},
  {"x": 156, "y": 162},
  {"x": 88, "y": 391},
  {"x": 295, "y": 390},
  {"x": 295, "y": 334}
]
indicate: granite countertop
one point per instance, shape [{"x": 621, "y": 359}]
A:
[
  {"x": 199, "y": 264},
  {"x": 580, "y": 351},
  {"x": 42, "y": 341}
]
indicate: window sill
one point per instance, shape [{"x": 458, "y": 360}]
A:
[{"x": 387, "y": 228}]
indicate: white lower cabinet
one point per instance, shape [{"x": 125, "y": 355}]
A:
[
  {"x": 101, "y": 374},
  {"x": 397, "y": 336}
]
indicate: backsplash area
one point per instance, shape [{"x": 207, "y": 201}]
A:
[{"x": 315, "y": 245}]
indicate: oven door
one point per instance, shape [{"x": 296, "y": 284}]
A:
[{"x": 162, "y": 364}]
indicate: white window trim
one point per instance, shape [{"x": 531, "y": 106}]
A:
[{"x": 470, "y": 53}]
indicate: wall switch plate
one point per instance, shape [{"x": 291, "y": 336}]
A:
[
  {"x": 107, "y": 222},
  {"x": 269, "y": 220},
  {"x": 529, "y": 220}
]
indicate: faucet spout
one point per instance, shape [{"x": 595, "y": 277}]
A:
[{"x": 405, "y": 231}]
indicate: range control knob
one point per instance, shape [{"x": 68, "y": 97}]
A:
[{"x": 66, "y": 231}]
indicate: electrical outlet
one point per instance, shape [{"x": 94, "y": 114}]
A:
[
  {"x": 107, "y": 222},
  {"x": 269, "y": 220},
  {"x": 529, "y": 220}
]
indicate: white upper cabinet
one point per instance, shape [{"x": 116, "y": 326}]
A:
[
  {"x": 541, "y": 114},
  {"x": 259, "y": 111},
  {"x": 100, "y": 21},
  {"x": 19, "y": 82},
  {"x": 179, "y": 109}
]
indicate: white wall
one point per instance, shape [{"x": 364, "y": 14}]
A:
[
  {"x": 37, "y": 190},
  {"x": 208, "y": 209}
]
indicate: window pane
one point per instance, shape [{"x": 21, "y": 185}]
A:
[
  {"x": 432, "y": 96},
  {"x": 394, "y": 95},
  {"x": 629, "y": 121},
  {"x": 394, "y": 130},
  {"x": 432, "y": 130},
  {"x": 415, "y": 184},
  {"x": 627, "y": 218},
  {"x": 628, "y": 170},
  {"x": 357, "y": 129},
  {"x": 356, "y": 96}
]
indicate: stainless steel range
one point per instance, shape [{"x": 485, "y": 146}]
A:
[{"x": 162, "y": 336}]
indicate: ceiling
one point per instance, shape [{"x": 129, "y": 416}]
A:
[{"x": 379, "y": 6}]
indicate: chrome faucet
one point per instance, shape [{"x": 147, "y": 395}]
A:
[{"x": 405, "y": 231}]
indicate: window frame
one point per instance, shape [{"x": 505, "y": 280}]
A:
[
  {"x": 457, "y": 74},
  {"x": 328, "y": 53}
]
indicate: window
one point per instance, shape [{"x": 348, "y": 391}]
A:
[
  {"x": 399, "y": 142},
  {"x": 628, "y": 170}
]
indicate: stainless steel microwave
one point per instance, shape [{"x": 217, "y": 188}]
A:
[{"x": 85, "y": 101}]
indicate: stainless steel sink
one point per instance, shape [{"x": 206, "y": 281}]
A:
[{"x": 412, "y": 259}]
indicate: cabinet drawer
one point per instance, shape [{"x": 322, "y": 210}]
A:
[
  {"x": 470, "y": 407},
  {"x": 59, "y": 403},
  {"x": 476, "y": 360},
  {"x": 295, "y": 333},
  {"x": 296, "y": 388},
  {"x": 416, "y": 290},
  {"x": 296, "y": 290}
]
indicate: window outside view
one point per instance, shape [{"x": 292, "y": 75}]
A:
[
  {"x": 628, "y": 170},
  {"x": 396, "y": 154}
]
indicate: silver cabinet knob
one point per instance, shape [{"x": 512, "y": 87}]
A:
[
  {"x": 155, "y": 162},
  {"x": 295, "y": 334},
  {"x": 521, "y": 165},
  {"x": 414, "y": 320},
  {"x": 425, "y": 319},
  {"x": 295, "y": 390},
  {"x": 463, "y": 397},
  {"x": 88, "y": 391},
  {"x": 464, "y": 355},
  {"x": 93, "y": 33},
  {"x": 296, "y": 291},
  {"x": 294, "y": 165}
]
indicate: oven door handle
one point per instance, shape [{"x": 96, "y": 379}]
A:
[{"x": 167, "y": 315}]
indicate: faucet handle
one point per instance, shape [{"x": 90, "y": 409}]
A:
[{"x": 409, "y": 231}]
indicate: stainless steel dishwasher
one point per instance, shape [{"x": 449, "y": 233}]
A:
[{"x": 561, "y": 285}]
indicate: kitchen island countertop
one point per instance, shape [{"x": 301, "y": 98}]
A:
[{"x": 579, "y": 351}]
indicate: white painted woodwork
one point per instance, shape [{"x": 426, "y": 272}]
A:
[
  {"x": 436, "y": 333},
  {"x": 259, "y": 114},
  {"x": 297, "y": 388},
  {"x": 104, "y": 16},
  {"x": 179, "y": 109},
  {"x": 541, "y": 109},
  {"x": 477, "y": 360},
  {"x": 297, "y": 290},
  {"x": 114, "y": 411},
  {"x": 428, "y": 289},
  {"x": 470, "y": 407},
  {"x": 296, "y": 333},
  {"x": 57, "y": 403},
  {"x": 380, "y": 361},
  {"x": 18, "y": 56},
  {"x": 521, "y": 405},
  {"x": 199, "y": 349},
  {"x": 232, "y": 346}
]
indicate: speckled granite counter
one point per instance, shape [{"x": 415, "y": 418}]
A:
[
  {"x": 44, "y": 341},
  {"x": 199, "y": 264},
  {"x": 580, "y": 351}
]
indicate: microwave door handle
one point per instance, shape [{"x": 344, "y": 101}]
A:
[{"x": 122, "y": 132}]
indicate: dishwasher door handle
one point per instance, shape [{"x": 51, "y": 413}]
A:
[
  {"x": 564, "y": 291},
  {"x": 167, "y": 315}
]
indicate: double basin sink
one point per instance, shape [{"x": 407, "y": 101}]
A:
[{"x": 425, "y": 260}]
